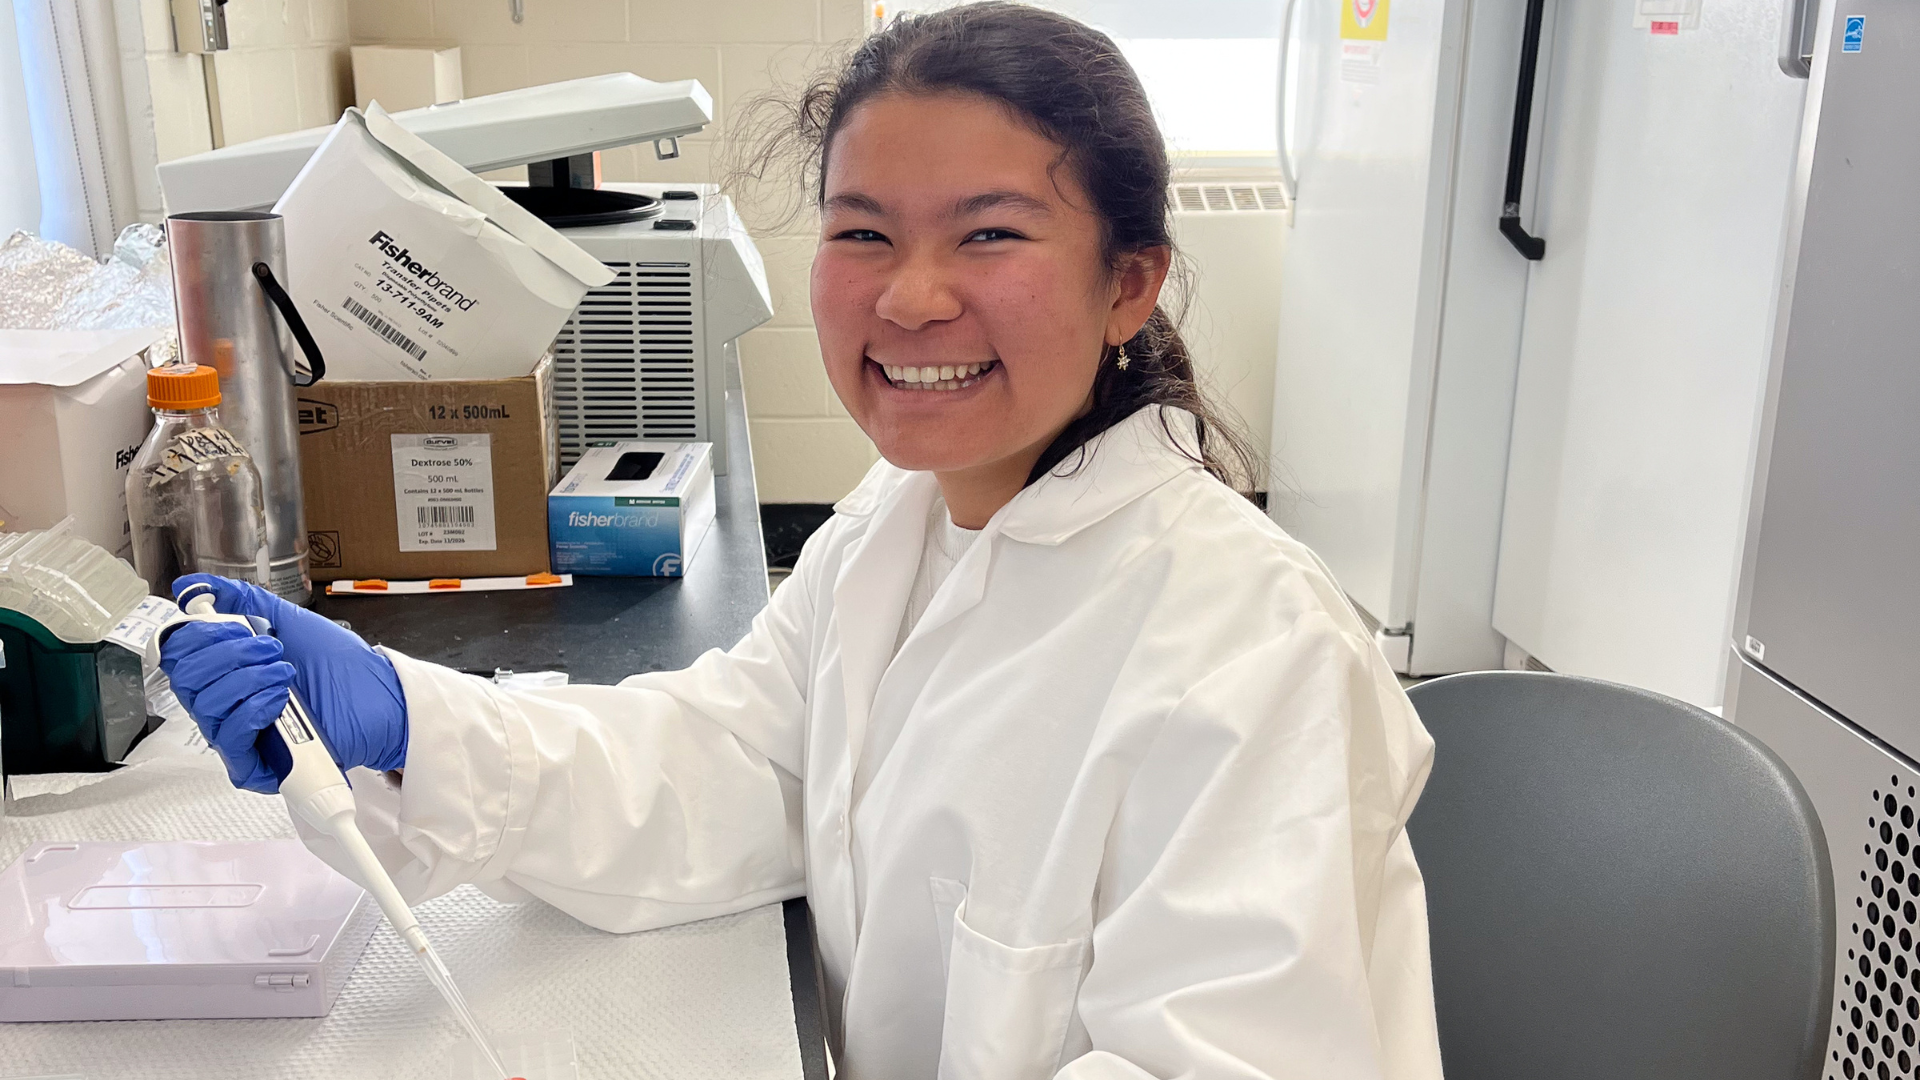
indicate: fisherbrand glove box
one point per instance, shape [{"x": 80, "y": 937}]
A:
[{"x": 632, "y": 509}]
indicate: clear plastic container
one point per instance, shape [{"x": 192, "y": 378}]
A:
[
  {"x": 194, "y": 497},
  {"x": 70, "y": 586}
]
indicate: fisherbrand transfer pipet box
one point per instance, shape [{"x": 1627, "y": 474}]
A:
[{"x": 632, "y": 509}]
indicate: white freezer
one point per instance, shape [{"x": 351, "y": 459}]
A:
[
  {"x": 1666, "y": 163},
  {"x": 1400, "y": 317}
]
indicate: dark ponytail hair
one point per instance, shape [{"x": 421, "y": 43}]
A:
[{"x": 1072, "y": 84}]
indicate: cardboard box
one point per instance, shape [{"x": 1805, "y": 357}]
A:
[
  {"x": 73, "y": 411},
  {"x": 409, "y": 480},
  {"x": 632, "y": 509}
]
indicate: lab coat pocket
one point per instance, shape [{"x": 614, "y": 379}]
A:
[{"x": 1008, "y": 1009}]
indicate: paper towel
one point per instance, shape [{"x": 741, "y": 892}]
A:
[{"x": 708, "y": 999}]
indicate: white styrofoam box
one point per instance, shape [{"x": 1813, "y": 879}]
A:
[
  {"x": 401, "y": 77},
  {"x": 73, "y": 410},
  {"x": 179, "y": 930}
]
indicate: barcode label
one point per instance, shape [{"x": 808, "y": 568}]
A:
[
  {"x": 385, "y": 329},
  {"x": 443, "y": 515},
  {"x": 443, "y": 491}
]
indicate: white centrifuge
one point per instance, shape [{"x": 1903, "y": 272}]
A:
[{"x": 644, "y": 357}]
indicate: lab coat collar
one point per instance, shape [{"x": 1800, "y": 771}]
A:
[{"x": 1116, "y": 467}]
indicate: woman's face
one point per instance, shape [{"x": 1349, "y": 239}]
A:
[{"x": 960, "y": 293}]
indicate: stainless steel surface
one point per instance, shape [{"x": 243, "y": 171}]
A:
[
  {"x": 1850, "y": 777},
  {"x": 217, "y": 298},
  {"x": 1831, "y": 585}
]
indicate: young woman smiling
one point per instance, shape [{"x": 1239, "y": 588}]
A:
[{"x": 1086, "y": 769}]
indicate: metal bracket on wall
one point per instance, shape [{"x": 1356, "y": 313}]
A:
[
  {"x": 216, "y": 124},
  {"x": 519, "y": 9},
  {"x": 199, "y": 26}
]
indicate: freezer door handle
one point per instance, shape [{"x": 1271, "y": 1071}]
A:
[
  {"x": 1798, "y": 25},
  {"x": 1289, "y": 183},
  {"x": 1529, "y": 246}
]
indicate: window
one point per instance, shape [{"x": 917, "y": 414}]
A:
[
  {"x": 1209, "y": 66},
  {"x": 19, "y": 182}
]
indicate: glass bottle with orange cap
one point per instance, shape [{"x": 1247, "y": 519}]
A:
[{"x": 193, "y": 494}]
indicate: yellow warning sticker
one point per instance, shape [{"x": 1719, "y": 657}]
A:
[{"x": 1363, "y": 20}]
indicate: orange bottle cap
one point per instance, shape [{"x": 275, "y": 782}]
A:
[{"x": 183, "y": 386}]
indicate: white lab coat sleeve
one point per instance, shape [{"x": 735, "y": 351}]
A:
[
  {"x": 1261, "y": 914},
  {"x": 672, "y": 797}
]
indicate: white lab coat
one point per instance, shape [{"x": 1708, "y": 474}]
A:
[{"x": 1128, "y": 802}]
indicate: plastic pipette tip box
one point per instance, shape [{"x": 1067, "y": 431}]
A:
[
  {"x": 175, "y": 930},
  {"x": 529, "y": 1055}
]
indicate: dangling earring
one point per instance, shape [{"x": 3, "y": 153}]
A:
[{"x": 1120, "y": 361}]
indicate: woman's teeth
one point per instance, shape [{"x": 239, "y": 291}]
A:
[{"x": 945, "y": 377}]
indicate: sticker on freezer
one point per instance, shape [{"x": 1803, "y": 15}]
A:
[
  {"x": 1667, "y": 17},
  {"x": 443, "y": 492},
  {"x": 1363, "y": 20},
  {"x": 1855, "y": 34}
]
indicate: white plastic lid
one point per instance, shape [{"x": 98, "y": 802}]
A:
[
  {"x": 497, "y": 131},
  {"x": 96, "y": 914}
]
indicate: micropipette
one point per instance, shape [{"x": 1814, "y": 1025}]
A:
[{"x": 317, "y": 791}]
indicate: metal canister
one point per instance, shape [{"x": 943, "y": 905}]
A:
[{"x": 227, "y": 272}]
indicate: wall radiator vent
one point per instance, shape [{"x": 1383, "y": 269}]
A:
[{"x": 1227, "y": 198}]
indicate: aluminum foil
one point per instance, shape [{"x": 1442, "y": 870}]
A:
[
  {"x": 46, "y": 285},
  {"x": 36, "y": 278}
]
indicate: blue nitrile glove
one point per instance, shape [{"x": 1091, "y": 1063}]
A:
[{"x": 235, "y": 685}]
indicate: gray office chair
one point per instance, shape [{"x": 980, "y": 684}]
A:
[{"x": 1619, "y": 885}]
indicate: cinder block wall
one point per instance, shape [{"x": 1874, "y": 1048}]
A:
[
  {"x": 288, "y": 68},
  {"x": 806, "y": 448}
]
